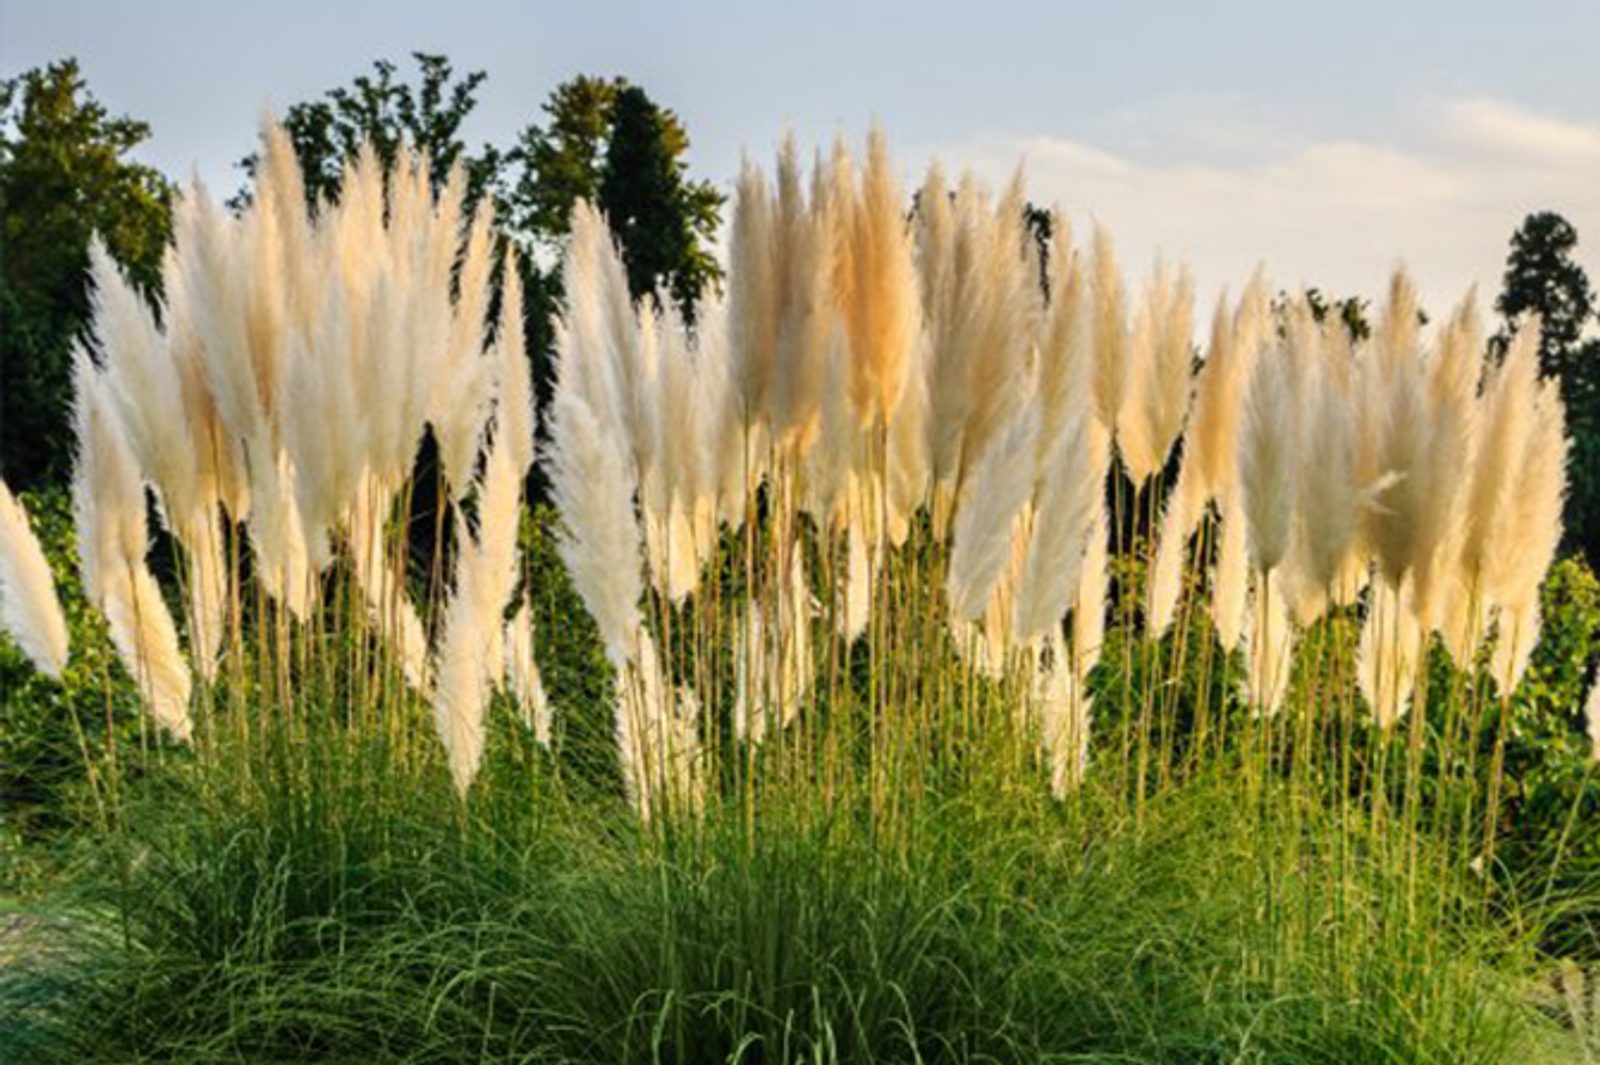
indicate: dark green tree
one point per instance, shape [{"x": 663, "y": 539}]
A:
[
  {"x": 388, "y": 113},
  {"x": 605, "y": 141},
  {"x": 662, "y": 219},
  {"x": 64, "y": 175},
  {"x": 553, "y": 166},
  {"x": 1543, "y": 278}
]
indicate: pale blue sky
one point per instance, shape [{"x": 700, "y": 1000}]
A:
[{"x": 1328, "y": 140}]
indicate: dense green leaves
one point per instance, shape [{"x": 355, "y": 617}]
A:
[{"x": 64, "y": 175}]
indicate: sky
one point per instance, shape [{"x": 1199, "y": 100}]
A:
[{"x": 1327, "y": 142}]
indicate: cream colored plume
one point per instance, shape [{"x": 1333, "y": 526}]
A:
[
  {"x": 600, "y": 542},
  {"x": 1066, "y": 506},
  {"x": 1089, "y": 608},
  {"x": 30, "y": 613},
  {"x": 597, "y": 335},
  {"x": 463, "y": 676},
  {"x": 109, "y": 506},
  {"x": 514, "y": 412},
  {"x": 1064, "y": 716},
  {"x": 1387, "y": 658},
  {"x": 382, "y": 589},
  {"x": 1518, "y": 634},
  {"x": 753, "y": 291},
  {"x": 522, "y": 674},
  {"x": 856, "y": 608},
  {"x": 880, "y": 300},
  {"x": 1328, "y": 503},
  {"x": 657, "y": 730},
  {"x": 1065, "y": 350},
  {"x": 806, "y": 308},
  {"x": 1110, "y": 333},
  {"x": 1269, "y": 647},
  {"x": 1158, "y": 374},
  {"x": 1268, "y": 460},
  {"x": 1001, "y": 480},
  {"x": 1172, "y": 548},
  {"x": 1231, "y": 582},
  {"x": 170, "y": 425}
]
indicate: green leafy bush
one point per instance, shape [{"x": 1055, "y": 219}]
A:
[{"x": 58, "y": 737}]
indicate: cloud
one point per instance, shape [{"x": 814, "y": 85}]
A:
[{"x": 1443, "y": 196}]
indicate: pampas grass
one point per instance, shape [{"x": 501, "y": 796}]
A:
[
  {"x": 857, "y": 570},
  {"x": 872, "y": 475},
  {"x": 109, "y": 506},
  {"x": 30, "y": 613},
  {"x": 1269, "y": 461}
]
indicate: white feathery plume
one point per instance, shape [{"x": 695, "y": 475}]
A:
[
  {"x": 323, "y": 430},
  {"x": 29, "y": 610},
  {"x": 1158, "y": 375},
  {"x": 805, "y": 305},
  {"x": 1508, "y": 402},
  {"x": 829, "y": 467},
  {"x": 1270, "y": 647},
  {"x": 1166, "y": 571},
  {"x": 145, "y": 384},
  {"x": 381, "y": 587},
  {"x": 1064, "y": 713},
  {"x": 109, "y": 506},
  {"x": 857, "y": 606},
  {"x": 494, "y": 552},
  {"x": 1513, "y": 649},
  {"x": 1328, "y": 502},
  {"x": 1110, "y": 333},
  {"x": 600, "y": 543},
  {"x": 795, "y": 654},
  {"x": 1065, "y": 351},
  {"x": 465, "y": 382},
  {"x": 880, "y": 301},
  {"x": 1231, "y": 583},
  {"x": 597, "y": 335},
  {"x": 1089, "y": 608},
  {"x": 1067, "y": 505},
  {"x": 522, "y": 674},
  {"x": 463, "y": 674},
  {"x": 1267, "y": 449},
  {"x": 909, "y": 460},
  {"x": 1000, "y": 482},
  {"x": 514, "y": 412},
  {"x": 750, "y": 703},
  {"x": 1386, "y": 662},
  {"x": 1534, "y": 524},
  {"x": 753, "y": 293}
]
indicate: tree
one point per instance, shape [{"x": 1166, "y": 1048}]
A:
[
  {"x": 604, "y": 140},
  {"x": 1542, "y": 278},
  {"x": 660, "y": 217},
  {"x": 378, "y": 110},
  {"x": 64, "y": 176}
]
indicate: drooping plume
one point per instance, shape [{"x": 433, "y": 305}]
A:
[{"x": 30, "y": 613}]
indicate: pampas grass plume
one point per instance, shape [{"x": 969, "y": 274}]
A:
[{"x": 29, "y": 609}]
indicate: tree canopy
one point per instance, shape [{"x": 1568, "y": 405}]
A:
[{"x": 65, "y": 174}]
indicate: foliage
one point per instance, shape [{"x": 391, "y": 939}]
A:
[
  {"x": 661, "y": 219},
  {"x": 59, "y": 742},
  {"x": 377, "y": 110},
  {"x": 1543, "y": 278},
  {"x": 361, "y": 915},
  {"x": 64, "y": 175}
]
